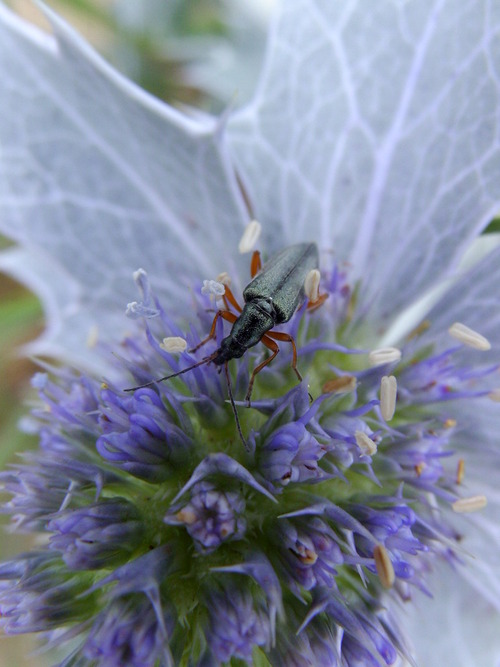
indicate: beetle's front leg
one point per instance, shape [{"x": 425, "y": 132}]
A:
[
  {"x": 226, "y": 315},
  {"x": 229, "y": 298},
  {"x": 271, "y": 345}
]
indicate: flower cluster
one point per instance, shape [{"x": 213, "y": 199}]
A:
[{"x": 168, "y": 542}]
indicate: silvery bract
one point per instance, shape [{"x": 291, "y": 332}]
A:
[{"x": 363, "y": 490}]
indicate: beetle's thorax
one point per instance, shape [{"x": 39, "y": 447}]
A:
[{"x": 257, "y": 317}]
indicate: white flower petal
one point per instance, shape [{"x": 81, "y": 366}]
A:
[
  {"x": 456, "y": 628},
  {"x": 60, "y": 296},
  {"x": 101, "y": 178},
  {"x": 473, "y": 300},
  {"x": 377, "y": 126},
  {"x": 476, "y": 441}
]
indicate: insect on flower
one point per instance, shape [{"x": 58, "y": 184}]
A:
[{"x": 273, "y": 295}]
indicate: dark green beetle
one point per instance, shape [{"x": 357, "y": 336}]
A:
[{"x": 271, "y": 298}]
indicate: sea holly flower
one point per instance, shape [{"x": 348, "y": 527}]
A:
[{"x": 166, "y": 539}]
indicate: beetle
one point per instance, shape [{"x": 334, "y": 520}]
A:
[{"x": 272, "y": 297}]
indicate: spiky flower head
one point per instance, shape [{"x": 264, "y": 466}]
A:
[{"x": 170, "y": 542}]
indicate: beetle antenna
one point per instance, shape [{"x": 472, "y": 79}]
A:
[
  {"x": 205, "y": 360},
  {"x": 233, "y": 406}
]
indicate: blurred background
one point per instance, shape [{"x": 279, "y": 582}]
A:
[{"x": 201, "y": 53}]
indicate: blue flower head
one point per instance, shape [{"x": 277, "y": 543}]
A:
[
  {"x": 180, "y": 523},
  {"x": 158, "y": 517}
]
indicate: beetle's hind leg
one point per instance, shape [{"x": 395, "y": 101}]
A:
[{"x": 286, "y": 338}]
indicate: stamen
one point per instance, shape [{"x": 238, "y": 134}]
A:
[
  {"x": 385, "y": 569},
  {"x": 449, "y": 423},
  {"x": 250, "y": 237},
  {"x": 420, "y": 467},
  {"x": 340, "y": 385},
  {"x": 309, "y": 557},
  {"x": 494, "y": 395},
  {"x": 213, "y": 287},
  {"x": 384, "y": 355},
  {"x": 365, "y": 443},
  {"x": 421, "y": 328},
  {"x": 139, "y": 276},
  {"x": 471, "y": 504},
  {"x": 92, "y": 336},
  {"x": 388, "y": 393},
  {"x": 469, "y": 336},
  {"x": 306, "y": 555},
  {"x": 173, "y": 344},
  {"x": 311, "y": 285},
  {"x": 460, "y": 471},
  {"x": 186, "y": 516},
  {"x": 224, "y": 278}
]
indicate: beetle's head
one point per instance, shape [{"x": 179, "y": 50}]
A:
[
  {"x": 230, "y": 348},
  {"x": 256, "y": 318}
]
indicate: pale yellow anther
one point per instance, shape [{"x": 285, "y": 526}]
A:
[
  {"x": 470, "y": 504},
  {"x": 385, "y": 568},
  {"x": 311, "y": 285},
  {"x": 306, "y": 555},
  {"x": 250, "y": 237},
  {"x": 388, "y": 393},
  {"x": 186, "y": 516},
  {"x": 460, "y": 470},
  {"x": 92, "y": 336},
  {"x": 419, "y": 468},
  {"x": 365, "y": 443},
  {"x": 469, "y": 337},
  {"x": 341, "y": 385},
  {"x": 384, "y": 355},
  {"x": 139, "y": 274},
  {"x": 173, "y": 344},
  {"x": 449, "y": 423},
  {"x": 224, "y": 530},
  {"x": 494, "y": 395},
  {"x": 423, "y": 326}
]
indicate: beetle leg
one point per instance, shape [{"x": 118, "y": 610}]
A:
[
  {"x": 226, "y": 315},
  {"x": 228, "y": 298},
  {"x": 278, "y": 335},
  {"x": 269, "y": 343},
  {"x": 255, "y": 264}
]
